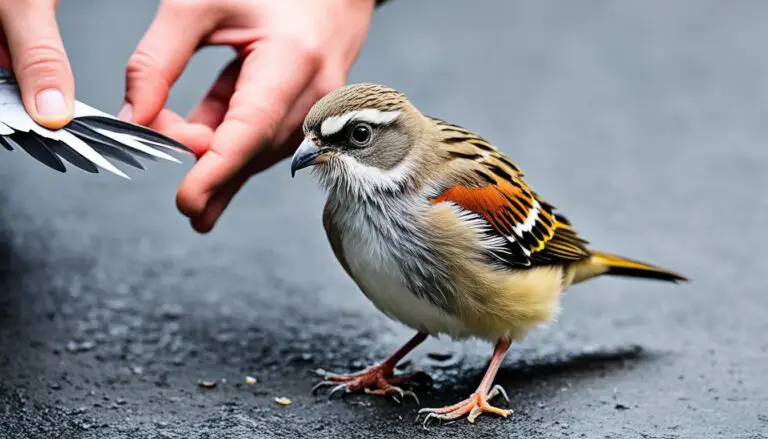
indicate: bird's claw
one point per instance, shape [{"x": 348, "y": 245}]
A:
[
  {"x": 429, "y": 417},
  {"x": 376, "y": 380},
  {"x": 336, "y": 389},
  {"x": 322, "y": 384},
  {"x": 340, "y": 388},
  {"x": 412, "y": 395},
  {"x": 471, "y": 407},
  {"x": 397, "y": 393},
  {"x": 498, "y": 390}
]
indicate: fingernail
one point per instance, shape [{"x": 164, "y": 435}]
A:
[
  {"x": 51, "y": 103},
  {"x": 126, "y": 113}
]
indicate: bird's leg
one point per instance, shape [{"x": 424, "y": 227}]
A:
[
  {"x": 477, "y": 403},
  {"x": 378, "y": 379}
]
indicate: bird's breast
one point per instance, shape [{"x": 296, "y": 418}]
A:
[{"x": 389, "y": 259}]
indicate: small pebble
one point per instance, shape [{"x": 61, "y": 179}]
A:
[
  {"x": 83, "y": 425},
  {"x": 250, "y": 380},
  {"x": 208, "y": 384},
  {"x": 283, "y": 401},
  {"x": 85, "y": 346}
]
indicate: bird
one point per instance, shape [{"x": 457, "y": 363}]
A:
[
  {"x": 437, "y": 227},
  {"x": 86, "y": 142}
]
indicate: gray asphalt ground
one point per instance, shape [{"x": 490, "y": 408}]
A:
[{"x": 643, "y": 121}]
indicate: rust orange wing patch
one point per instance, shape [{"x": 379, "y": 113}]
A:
[
  {"x": 533, "y": 234},
  {"x": 522, "y": 229}
]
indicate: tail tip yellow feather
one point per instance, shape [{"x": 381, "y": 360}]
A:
[{"x": 621, "y": 266}]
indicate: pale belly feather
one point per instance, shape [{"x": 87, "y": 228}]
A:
[{"x": 374, "y": 265}]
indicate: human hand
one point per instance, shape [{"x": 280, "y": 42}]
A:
[
  {"x": 31, "y": 47},
  {"x": 289, "y": 53}
]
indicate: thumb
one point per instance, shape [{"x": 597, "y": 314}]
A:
[{"x": 40, "y": 63}]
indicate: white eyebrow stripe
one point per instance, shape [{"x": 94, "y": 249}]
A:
[{"x": 334, "y": 124}]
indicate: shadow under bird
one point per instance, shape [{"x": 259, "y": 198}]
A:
[
  {"x": 440, "y": 231},
  {"x": 88, "y": 142}
]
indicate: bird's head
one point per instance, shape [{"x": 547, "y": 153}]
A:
[{"x": 361, "y": 137}]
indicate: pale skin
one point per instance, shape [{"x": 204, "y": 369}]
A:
[
  {"x": 287, "y": 55},
  {"x": 31, "y": 47}
]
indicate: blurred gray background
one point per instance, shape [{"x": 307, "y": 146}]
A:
[{"x": 643, "y": 121}]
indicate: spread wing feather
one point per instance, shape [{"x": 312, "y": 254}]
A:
[{"x": 87, "y": 142}]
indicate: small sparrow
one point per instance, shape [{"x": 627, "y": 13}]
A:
[
  {"x": 86, "y": 142},
  {"x": 438, "y": 229}
]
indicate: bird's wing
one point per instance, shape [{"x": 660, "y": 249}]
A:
[
  {"x": 87, "y": 142},
  {"x": 334, "y": 237},
  {"x": 489, "y": 192}
]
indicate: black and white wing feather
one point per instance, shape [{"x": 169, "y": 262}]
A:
[{"x": 88, "y": 142}]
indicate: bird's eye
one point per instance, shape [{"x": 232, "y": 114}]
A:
[{"x": 361, "y": 134}]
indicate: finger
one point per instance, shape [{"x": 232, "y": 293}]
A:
[
  {"x": 219, "y": 202},
  {"x": 195, "y": 136},
  {"x": 288, "y": 140},
  {"x": 224, "y": 196},
  {"x": 212, "y": 108},
  {"x": 165, "y": 119},
  {"x": 161, "y": 56},
  {"x": 39, "y": 62},
  {"x": 301, "y": 107},
  {"x": 272, "y": 78}
]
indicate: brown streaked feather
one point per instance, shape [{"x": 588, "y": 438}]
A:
[
  {"x": 355, "y": 97},
  {"x": 484, "y": 181}
]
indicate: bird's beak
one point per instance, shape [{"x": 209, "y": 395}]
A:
[{"x": 307, "y": 155}]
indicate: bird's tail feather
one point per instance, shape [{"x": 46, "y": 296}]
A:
[{"x": 607, "y": 264}]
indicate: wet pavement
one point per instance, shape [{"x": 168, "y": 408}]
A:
[{"x": 643, "y": 121}]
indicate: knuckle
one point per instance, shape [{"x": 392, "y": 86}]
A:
[
  {"x": 141, "y": 62},
  {"x": 42, "y": 58},
  {"x": 144, "y": 66},
  {"x": 263, "y": 120},
  {"x": 308, "y": 52},
  {"x": 143, "y": 70}
]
